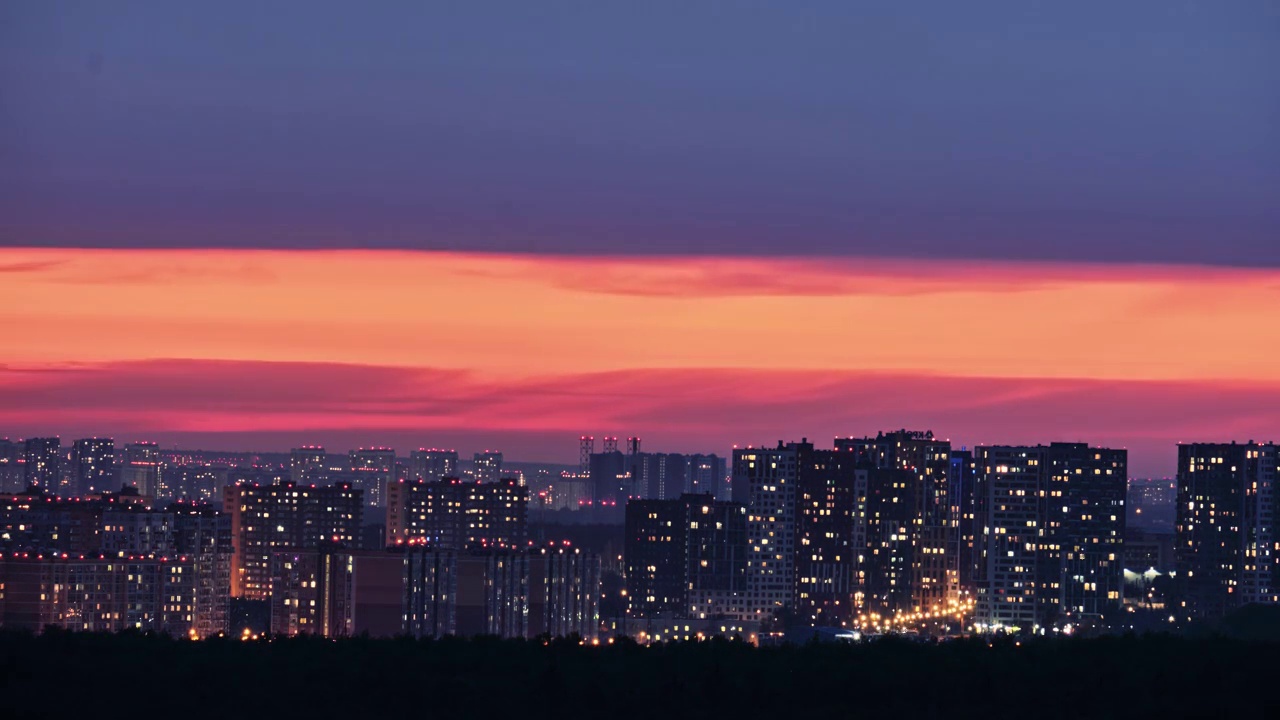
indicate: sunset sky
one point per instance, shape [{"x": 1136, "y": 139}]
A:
[{"x": 505, "y": 224}]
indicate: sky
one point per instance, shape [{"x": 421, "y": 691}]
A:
[{"x": 704, "y": 223}]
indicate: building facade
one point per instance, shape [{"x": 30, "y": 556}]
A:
[
  {"x": 564, "y": 593},
  {"x": 458, "y": 514},
  {"x": 98, "y": 594},
  {"x": 766, "y": 481},
  {"x": 94, "y": 463},
  {"x": 203, "y": 536},
  {"x": 487, "y": 466},
  {"x": 431, "y": 465},
  {"x": 12, "y": 478},
  {"x": 308, "y": 465},
  {"x": 1225, "y": 539},
  {"x": 908, "y": 565},
  {"x": 1052, "y": 524},
  {"x": 42, "y": 462},
  {"x": 285, "y": 516},
  {"x": 141, "y": 468},
  {"x": 372, "y": 469}
]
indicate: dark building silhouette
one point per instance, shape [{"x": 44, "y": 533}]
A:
[
  {"x": 203, "y": 535},
  {"x": 666, "y": 476},
  {"x": 334, "y": 592},
  {"x": 99, "y": 593},
  {"x": 1225, "y": 531},
  {"x": 42, "y": 462},
  {"x": 708, "y": 474},
  {"x": 1082, "y": 563},
  {"x": 1146, "y": 550},
  {"x": 964, "y": 525},
  {"x": 94, "y": 463},
  {"x": 12, "y": 479},
  {"x": 610, "y": 478},
  {"x": 372, "y": 469},
  {"x": 458, "y": 515},
  {"x": 488, "y": 466},
  {"x": 308, "y": 465},
  {"x": 141, "y": 468},
  {"x": 508, "y": 593},
  {"x": 686, "y": 557},
  {"x": 657, "y": 557},
  {"x": 564, "y": 592},
  {"x": 432, "y": 465},
  {"x": 830, "y": 536}
]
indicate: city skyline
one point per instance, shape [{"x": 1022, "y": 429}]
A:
[
  {"x": 896, "y": 532},
  {"x": 668, "y": 359}
]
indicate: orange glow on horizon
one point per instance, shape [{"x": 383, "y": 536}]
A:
[{"x": 507, "y": 316}]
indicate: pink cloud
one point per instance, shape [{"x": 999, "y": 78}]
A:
[{"x": 681, "y": 409}]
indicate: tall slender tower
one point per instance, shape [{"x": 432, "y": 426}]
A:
[{"x": 587, "y": 447}]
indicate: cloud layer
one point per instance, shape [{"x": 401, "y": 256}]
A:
[
  {"x": 249, "y": 347},
  {"x": 690, "y": 409}
]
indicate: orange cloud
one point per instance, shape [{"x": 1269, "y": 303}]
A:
[{"x": 510, "y": 317}]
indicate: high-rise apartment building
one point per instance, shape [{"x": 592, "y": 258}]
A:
[
  {"x": 864, "y": 528},
  {"x": 285, "y": 516},
  {"x": 203, "y": 536},
  {"x": 337, "y": 592},
  {"x": 458, "y": 514},
  {"x": 686, "y": 557},
  {"x": 488, "y": 466},
  {"x": 667, "y": 476},
  {"x": 134, "y": 530},
  {"x": 451, "y": 592},
  {"x": 98, "y": 594},
  {"x": 430, "y": 465},
  {"x": 564, "y": 592},
  {"x": 94, "y": 462},
  {"x": 1008, "y": 504},
  {"x": 907, "y": 565},
  {"x": 508, "y": 593},
  {"x": 1082, "y": 552},
  {"x": 830, "y": 537},
  {"x": 707, "y": 474},
  {"x": 656, "y": 554},
  {"x": 964, "y": 525},
  {"x": 571, "y": 492},
  {"x": 42, "y": 462},
  {"x": 1049, "y": 549},
  {"x": 767, "y": 482},
  {"x": 610, "y": 479},
  {"x": 1225, "y": 541},
  {"x": 372, "y": 469},
  {"x": 308, "y": 465},
  {"x": 141, "y": 468},
  {"x": 11, "y": 467}
]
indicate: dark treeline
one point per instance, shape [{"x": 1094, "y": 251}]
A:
[{"x": 87, "y": 676}]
